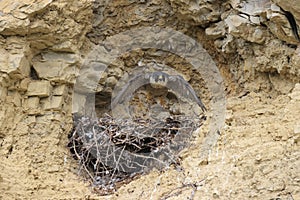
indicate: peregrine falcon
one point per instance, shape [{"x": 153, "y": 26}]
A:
[{"x": 158, "y": 79}]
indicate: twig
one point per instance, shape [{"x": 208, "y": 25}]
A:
[
  {"x": 98, "y": 143},
  {"x": 184, "y": 185}
]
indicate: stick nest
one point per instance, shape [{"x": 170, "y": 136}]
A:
[{"x": 112, "y": 152}]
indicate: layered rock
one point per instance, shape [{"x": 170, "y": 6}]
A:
[{"x": 43, "y": 45}]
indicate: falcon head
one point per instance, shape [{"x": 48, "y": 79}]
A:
[{"x": 158, "y": 79}]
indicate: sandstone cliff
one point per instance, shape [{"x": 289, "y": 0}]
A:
[{"x": 45, "y": 43}]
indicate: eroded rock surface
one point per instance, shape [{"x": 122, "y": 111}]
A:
[{"x": 43, "y": 45}]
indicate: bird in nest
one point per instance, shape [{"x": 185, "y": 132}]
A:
[{"x": 158, "y": 79}]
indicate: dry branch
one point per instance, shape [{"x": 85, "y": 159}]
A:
[{"x": 111, "y": 151}]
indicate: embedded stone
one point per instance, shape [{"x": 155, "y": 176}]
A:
[
  {"x": 32, "y": 102},
  {"x": 16, "y": 65},
  {"x": 48, "y": 70},
  {"x": 39, "y": 88},
  {"x": 15, "y": 98},
  {"x": 295, "y": 95},
  {"x": 111, "y": 81},
  {"x": 59, "y": 90},
  {"x": 59, "y": 67},
  {"x": 216, "y": 31},
  {"x": 239, "y": 26},
  {"x": 53, "y": 103},
  {"x": 24, "y": 84},
  {"x": 234, "y": 22}
]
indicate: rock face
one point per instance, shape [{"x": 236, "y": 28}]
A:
[{"x": 43, "y": 48}]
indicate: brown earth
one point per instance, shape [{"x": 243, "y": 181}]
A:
[{"x": 43, "y": 45}]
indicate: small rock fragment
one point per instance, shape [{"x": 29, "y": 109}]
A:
[{"x": 39, "y": 88}]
